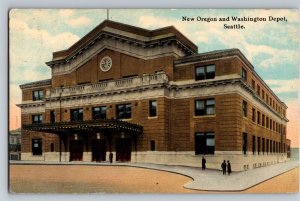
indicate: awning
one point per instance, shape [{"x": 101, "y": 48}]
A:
[{"x": 88, "y": 126}]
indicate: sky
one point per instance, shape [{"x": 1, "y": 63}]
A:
[{"x": 271, "y": 47}]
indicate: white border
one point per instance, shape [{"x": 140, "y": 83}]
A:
[{"x": 8, "y": 4}]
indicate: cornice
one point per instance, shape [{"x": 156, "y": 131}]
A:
[{"x": 36, "y": 84}]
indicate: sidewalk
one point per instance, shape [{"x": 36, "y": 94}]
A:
[{"x": 209, "y": 180}]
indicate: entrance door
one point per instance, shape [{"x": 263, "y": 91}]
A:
[
  {"x": 123, "y": 149},
  {"x": 99, "y": 150},
  {"x": 76, "y": 150}
]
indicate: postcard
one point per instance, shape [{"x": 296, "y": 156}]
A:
[{"x": 153, "y": 101}]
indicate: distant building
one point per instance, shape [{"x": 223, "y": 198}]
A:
[
  {"x": 148, "y": 96},
  {"x": 15, "y": 144}
]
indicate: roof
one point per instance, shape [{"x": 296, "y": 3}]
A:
[
  {"x": 36, "y": 84},
  {"x": 95, "y": 34}
]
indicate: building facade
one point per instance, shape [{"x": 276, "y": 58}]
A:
[
  {"x": 15, "y": 144},
  {"x": 148, "y": 96}
]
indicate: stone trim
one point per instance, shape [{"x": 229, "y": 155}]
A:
[{"x": 36, "y": 84}]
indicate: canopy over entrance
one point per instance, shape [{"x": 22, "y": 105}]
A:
[{"x": 88, "y": 126}]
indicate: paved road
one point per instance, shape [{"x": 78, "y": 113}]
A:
[{"x": 208, "y": 180}]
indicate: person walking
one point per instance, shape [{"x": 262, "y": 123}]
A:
[
  {"x": 223, "y": 166},
  {"x": 110, "y": 157},
  {"x": 228, "y": 167},
  {"x": 203, "y": 163}
]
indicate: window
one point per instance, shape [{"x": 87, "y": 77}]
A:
[
  {"x": 37, "y": 95},
  {"x": 267, "y": 146},
  {"x": 99, "y": 112},
  {"x": 37, "y": 147},
  {"x": 245, "y": 108},
  {"x": 267, "y": 122},
  {"x": 263, "y": 94},
  {"x": 76, "y": 114},
  {"x": 253, "y": 84},
  {"x": 124, "y": 111},
  {"x": 52, "y": 116},
  {"x": 258, "y": 117},
  {"x": 271, "y": 124},
  {"x": 253, "y": 115},
  {"x": 245, "y": 143},
  {"x": 11, "y": 140},
  {"x": 152, "y": 145},
  {"x": 253, "y": 144},
  {"x": 152, "y": 108},
  {"x": 204, "y": 143},
  {"x": 205, "y": 72},
  {"x": 37, "y": 119},
  {"x": 263, "y": 120},
  {"x": 204, "y": 107},
  {"x": 244, "y": 74},
  {"x": 52, "y": 147},
  {"x": 267, "y": 98},
  {"x": 258, "y": 90},
  {"x": 271, "y": 146}
]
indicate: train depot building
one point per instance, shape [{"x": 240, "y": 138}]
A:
[{"x": 148, "y": 96}]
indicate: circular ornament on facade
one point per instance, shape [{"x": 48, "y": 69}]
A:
[{"x": 105, "y": 64}]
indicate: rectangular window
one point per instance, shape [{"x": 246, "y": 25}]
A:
[
  {"x": 271, "y": 146},
  {"x": 263, "y": 94},
  {"x": 124, "y": 111},
  {"x": 52, "y": 116},
  {"x": 99, "y": 112},
  {"x": 204, "y": 143},
  {"x": 267, "y": 122},
  {"x": 204, "y": 107},
  {"x": 258, "y": 117},
  {"x": 205, "y": 72},
  {"x": 152, "y": 145},
  {"x": 253, "y": 115},
  {"x": 253, "y": 84},
  {"x": 267, "y": 146},
  {"x": 37, "y": 95},
  {"x": 258, "y": 90},
  {"x": 271, "y": 124},
  {"x": 37, "y": 119},
  {"x": 267, "y": 98},
  {"x": 245, "y": 108},
  {"x": 244, "y": 143},
  {"x": 244, "y": 74},
  {"x": 76, "y": 114},
  {"x": 152, "y": 108},
  {"x": 37, "y": 147},
  {"x": 263, "y": 120},
  {"x": 253, "y": 145}
]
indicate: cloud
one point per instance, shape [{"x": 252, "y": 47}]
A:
[
  {"x": 30, "y": 48},
  {"x": 79, "y": 21},
  {"x": 283, "y": 86}
]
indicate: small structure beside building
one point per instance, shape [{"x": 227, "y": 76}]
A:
[{"x": 15, "y": 144}]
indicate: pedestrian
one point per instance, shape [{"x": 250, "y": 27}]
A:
[
  {"x": 228, "y": 167},
  {"x": 203, "y": 163},
  {"x": 110, "y": 157},
  {"x": 223, "y": 166}
]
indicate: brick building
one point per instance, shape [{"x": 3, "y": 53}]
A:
[{"x": 148, "y": 96}]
